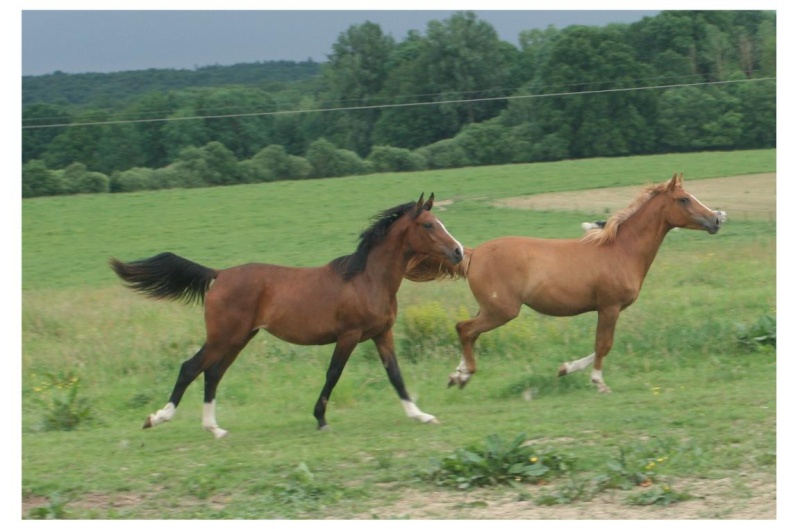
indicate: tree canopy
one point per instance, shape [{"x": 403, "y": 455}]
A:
[{"x": 452, "y": 96}]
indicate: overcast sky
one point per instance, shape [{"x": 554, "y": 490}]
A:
[{"x": 77, "y": 41}]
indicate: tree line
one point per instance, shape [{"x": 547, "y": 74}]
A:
[{"x": 456, "y": 95}]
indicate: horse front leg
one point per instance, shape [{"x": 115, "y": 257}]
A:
[
  {"x": 341, "y": 353},
  {"x": 385, "y": 345},
  {"x": 604, "y": 339}
]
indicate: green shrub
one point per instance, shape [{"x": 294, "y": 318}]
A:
[
  {"x": 64, "y": 409},
  {"x": 274, "y": 163},
  {"x": 425, "y": 327},
  {"x": 762, "y": 333},
  {"x": 497, "y": 463},
  {"x": 444, "y": 154},
  {"x": 658, "y": 495},
  {"x": 386, "y": 159},
  {"x": 136, "y": 179},
  {"x": 92, "y": 182},
  {"x": 38, "y": 180},
  {"x": 328, "y": 161}
]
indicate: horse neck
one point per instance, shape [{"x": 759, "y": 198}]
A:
[
  {"x": 387, "y": 262},
  {"x": 641, "y": 235}
]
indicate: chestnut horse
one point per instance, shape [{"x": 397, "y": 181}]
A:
[
  {"x": 603, "y": 271},
  {"x": 347, "y": 301}
]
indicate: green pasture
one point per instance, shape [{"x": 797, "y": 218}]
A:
[{"x": 690, "y": 376}]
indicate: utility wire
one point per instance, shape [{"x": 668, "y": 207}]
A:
[
  {"x": 397, "y": 105},
  {"x": 362, "y": 100}
]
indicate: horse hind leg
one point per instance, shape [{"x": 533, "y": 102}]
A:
[
  {"x": 213, "y": 364},
  {"x": 213, "y": 375},
  {"x": 488, "y": 318},
  {"x": 189, "y": 370}
]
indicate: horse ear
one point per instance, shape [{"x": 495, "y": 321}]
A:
[
  {"x": 419, "y": 202},
  {"x": 675, "y": 181},
  {"x": 429, "y": 204}
]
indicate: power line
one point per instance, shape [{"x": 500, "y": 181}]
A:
[{"x": 399, "y": 105}]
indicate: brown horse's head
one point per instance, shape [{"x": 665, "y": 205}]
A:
[
  {"x": 685, "y": 211},
  {"x": 428, "y": 236}
]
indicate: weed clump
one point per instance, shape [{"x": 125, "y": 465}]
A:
[
  {"x": 64, "y": 409},
  {"x": 497, "y": 462}
]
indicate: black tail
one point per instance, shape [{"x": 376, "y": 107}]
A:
[{"x": 166, "y": 276}]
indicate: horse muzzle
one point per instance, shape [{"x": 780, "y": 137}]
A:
[
  {"x": 715, "y": 224},
  {"x": 457, "y": 255}
]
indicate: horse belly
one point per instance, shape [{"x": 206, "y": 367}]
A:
[
  {"x": 553, "y": 301},
  {"x": 299, "y": 325}
]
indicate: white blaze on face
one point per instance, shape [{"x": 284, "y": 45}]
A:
[
  {"x": 695, "y": 199},
  {"x": 461, "y": 248}
]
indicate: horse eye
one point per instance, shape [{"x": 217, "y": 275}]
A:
[
  {"x": 428, "y": 225},
  {"x": 684, "y": 200}
]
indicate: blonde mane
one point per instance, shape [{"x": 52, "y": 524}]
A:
[{"x": 608, "y": 233}]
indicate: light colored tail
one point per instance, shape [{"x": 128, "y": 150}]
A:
[{"x": 426, "y": 268}]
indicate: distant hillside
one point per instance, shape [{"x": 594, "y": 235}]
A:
[{"x": 113, "y": 88}]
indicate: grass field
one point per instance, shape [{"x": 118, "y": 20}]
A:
[{"x": 693, "y": 408}]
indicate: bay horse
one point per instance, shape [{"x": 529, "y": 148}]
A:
[
  {"x": 347, "y": 301},
  {"x": 602, "y": 271}
]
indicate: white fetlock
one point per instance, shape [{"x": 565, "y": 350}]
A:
[
  {"x": 163, "y": 415},
  {"x": 415, "y": 413},
  {"x": 597, "y": 380},
  {"x": 210, "y": 420},
  {"x": 460, "y": 376},
  {"x": 576, "y": 365},
  {"x": 218, "y": 432}
]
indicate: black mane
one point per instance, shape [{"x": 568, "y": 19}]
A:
[{"x": 349, "y": 266}]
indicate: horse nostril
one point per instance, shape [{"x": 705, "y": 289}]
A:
[{"x": 459, "y": 253}]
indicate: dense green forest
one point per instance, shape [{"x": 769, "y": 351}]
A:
[{"x": 456, "y": 95}]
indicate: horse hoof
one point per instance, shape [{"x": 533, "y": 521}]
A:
[
  {"x": 148, "y": 423},
  {"x": 458, "y": 379},
  {"x": 601, "y": 387},
  {"x": 562, "y": 370},
  {"x": 324, "y": 428},
  {"x": 219, "y": 433}
]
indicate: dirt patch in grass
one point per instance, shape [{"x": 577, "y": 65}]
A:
[
  {"x": 742, "y": 197},
  {"x": 746, "y": 497}
]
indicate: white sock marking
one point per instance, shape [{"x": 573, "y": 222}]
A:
[
  {"x": 580, "y": 365},
  {"x": 415, "y": 413},
  {"x": 210, "y": 419},
  {"x": 163, "y": 415}
]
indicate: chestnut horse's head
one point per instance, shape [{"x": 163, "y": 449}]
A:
[
  {"x": 685, "y": 211},
  {"x": 428, "y": 236}
]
